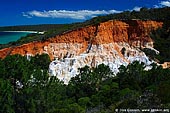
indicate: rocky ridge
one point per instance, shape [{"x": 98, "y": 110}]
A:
[
  {"x": 113, "y": 43},
  {"x": 134, "y": 32}
]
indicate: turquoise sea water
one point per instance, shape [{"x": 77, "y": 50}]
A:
[{"x": 6, "y": 37}]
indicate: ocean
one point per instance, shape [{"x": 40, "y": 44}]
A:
[{"x": 8, "y": 36}]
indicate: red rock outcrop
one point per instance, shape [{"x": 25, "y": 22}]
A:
[
  {"x": 139, "y": 31},
  {"x": 135, "y": 32}
]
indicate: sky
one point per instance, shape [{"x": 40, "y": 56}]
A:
[{"x": 30, "y": 12}]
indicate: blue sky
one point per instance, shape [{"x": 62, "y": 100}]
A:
[{"x": 25, "y": 12}]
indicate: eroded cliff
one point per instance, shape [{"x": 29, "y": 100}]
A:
[
  {"x": 113, "y": 43},
  {"x": 134, "y": 32}
]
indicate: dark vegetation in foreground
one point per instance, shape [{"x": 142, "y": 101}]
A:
[
  {"x": 157, "y": 14},
  {"x": 92, "y": 91}
]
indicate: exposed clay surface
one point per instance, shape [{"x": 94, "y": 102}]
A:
[
  {"x": 113, "y": 43},
  {"x": 134, "y": 32}
]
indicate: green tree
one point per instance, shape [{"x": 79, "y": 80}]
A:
[
  {"x": 7, "y": 103},
  {"x": 84, "y": 102},
  {"x": 41, "y": 61},
  {"x": 163, "y": 92},
  {"x": 131, "y": 76}
]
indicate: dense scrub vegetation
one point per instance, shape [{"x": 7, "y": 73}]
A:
[
  {"x": 56, "y": 29},
  {"x": 26, "y": 88},
  {"x": 161, "y": 39},
  {"x": 41, "y": 27},
  {"x": 156, "y": 14}
]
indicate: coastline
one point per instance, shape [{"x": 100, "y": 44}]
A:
[
  {"x": 10, "y": 36},
  {"x": 42, "y": 32}
]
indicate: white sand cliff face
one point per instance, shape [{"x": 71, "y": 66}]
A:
[{"x": 69, "y": 57}]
